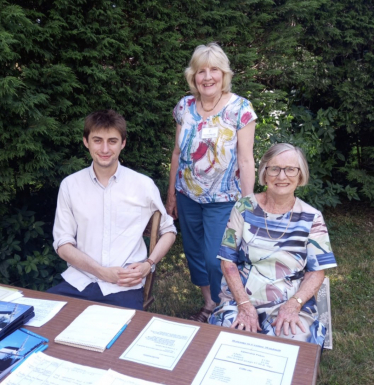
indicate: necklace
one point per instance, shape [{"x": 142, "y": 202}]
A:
[
  {"x": 202, "y": 105},
  {"x": 289, "y": 221}
]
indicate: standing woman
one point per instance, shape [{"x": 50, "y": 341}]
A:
[{"x": 211, "y": 167}]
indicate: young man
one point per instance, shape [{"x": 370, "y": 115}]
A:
[{"x": 101, "y": 214}]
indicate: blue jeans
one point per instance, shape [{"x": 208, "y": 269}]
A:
[
  {"x": 202, "y": 226},
  {"x": 132, "y": 299}
]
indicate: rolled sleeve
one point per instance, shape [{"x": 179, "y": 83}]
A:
[
  {"x": 166, "y": 223},
  {"x": 65, "y": 226},
  {"x": 178, "y": 111}
]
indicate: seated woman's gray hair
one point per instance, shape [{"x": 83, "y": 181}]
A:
[{"x": 278, "y": 149}]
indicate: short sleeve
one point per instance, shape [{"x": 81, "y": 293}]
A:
[
  {"x": 319, "y": 252},
  {"x": 232, "y": 237},
  {"x": 246, "y": 113},
  {"x": 178, "y": 111}
]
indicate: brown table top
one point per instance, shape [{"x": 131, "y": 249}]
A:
[{"x": 187, "y": 367}]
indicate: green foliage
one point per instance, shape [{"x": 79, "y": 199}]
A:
[
  {"x": 315, "y": 134},
  {"x": 60, "y": 60},
  {"x": 307, "y": 66},
  {"x": 27, "y": 258},
  {"x": 317, "y": 72}
]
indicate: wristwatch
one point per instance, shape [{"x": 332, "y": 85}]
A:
[
  {"x": 153, "y": 265},
  {"x": 299, "y": 300}
]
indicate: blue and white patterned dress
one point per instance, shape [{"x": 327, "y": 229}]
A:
[{"x": 271, "y": 270}]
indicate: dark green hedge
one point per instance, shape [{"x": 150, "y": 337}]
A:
[{"x": 307, "y": 66}]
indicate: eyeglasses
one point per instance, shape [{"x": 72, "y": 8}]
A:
[{"x": 275, "y": 170}]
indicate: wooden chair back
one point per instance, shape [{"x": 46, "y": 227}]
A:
[{"x": 152, "y": 232}]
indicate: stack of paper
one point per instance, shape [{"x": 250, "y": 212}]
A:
[
  {"x": 8, "y": 294},
  {"x": 95, "y": 327}
]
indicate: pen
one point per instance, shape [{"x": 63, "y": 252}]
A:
[
  {"x": 117, "y": 335},
  {"x": 40, "y": 348},
  {"x": 34, "y": 334}
]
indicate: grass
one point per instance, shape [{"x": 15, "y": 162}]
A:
[{"x": 351, "y": 228}]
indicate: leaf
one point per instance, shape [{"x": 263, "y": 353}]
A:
[
  {"x": 27, "y": 236},
  {"x": 44, "y": 273}
]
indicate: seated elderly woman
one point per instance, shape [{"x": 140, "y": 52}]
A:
[{"x": 273, "y": 254}]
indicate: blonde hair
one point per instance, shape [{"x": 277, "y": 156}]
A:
[
  {"x": 277, "y": 149},
  {"x": 210, "y": 55}
]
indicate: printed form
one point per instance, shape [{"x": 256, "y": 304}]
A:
[
  {"x": 238, "y": 359},
  {"x": 160, "y": 344}
]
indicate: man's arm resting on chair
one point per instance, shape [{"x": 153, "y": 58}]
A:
[{"x": 137, "y": 271}]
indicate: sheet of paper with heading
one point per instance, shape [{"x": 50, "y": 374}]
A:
[
  {"x": 160, "y": 344},
  {"x": 237, "y": 359}
]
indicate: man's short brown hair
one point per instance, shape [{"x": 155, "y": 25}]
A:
[{"x": 105, "y": 119}]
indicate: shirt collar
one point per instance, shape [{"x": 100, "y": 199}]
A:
[{"x": 116, "y": 175}]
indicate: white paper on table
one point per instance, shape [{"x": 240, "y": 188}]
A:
[
  {"x": 160, "y": 344},
  {"x": 95, "y": 327},
  {"x": 44, "y": 309},
  {"x": 9, "y": 294},
  {"x": 238, "y": 359},
  {"x": 114, "y": 378},
  {"x": 40, "y": 369},
  {"x": 13, "y": 297}
]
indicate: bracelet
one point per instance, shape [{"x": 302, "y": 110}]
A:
[
  {"x": 151, "y": 263},
  {"x": 242, "y": 303}
]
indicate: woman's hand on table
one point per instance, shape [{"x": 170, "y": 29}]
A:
[
  {"x": 247, "y": 319},
  {"x": 288, "y": 318}
]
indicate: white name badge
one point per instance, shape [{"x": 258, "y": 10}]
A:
[{"x": 209, "y": 132}]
